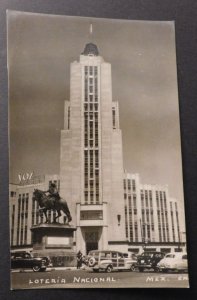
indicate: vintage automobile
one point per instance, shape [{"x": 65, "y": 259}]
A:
[
  {"x": 149, "y": 260},
  {"x": 176, "y": 261},
  {"x": 25, "y": 260},
  {"x": 110, "y": 260}
]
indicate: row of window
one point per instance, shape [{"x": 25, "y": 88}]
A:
[
  {"x": 92, "y": 108},
  {"x": 12, "y": 194},
  {"x": 128, "y": 183},
  {"x": 147, "y": 223},
  {"x": 91, "y": 215},
  {"x": 21, "y": 237},
  {"x": 132, "y": 232},
  {"x": 91, "y": 84}
]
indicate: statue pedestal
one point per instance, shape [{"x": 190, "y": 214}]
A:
[{"x": 56, "y": 241}]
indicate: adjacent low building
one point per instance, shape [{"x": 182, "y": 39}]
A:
[
  {"x": 24, "y": 211},
  {"x": 151, "y": 216}
]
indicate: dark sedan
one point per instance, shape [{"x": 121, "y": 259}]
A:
[
  {"x": 24, "y": 260},
  {"x": 149, "y": 260}
]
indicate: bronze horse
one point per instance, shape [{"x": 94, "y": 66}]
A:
[{"x": 48, "y": 203}]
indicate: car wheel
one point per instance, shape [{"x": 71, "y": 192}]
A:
[
  {"x": 132, "y": 268},
  {"x": 92, "y": 262},
  {"x": 36, "y": 268},
  {"x": 96, "y": 270},
  {"x": 156, "y": 269},
  {"x": 60, "y": 263},
  {"x": 43, "y": 269},
  {"x": 164, "y": 270},
  {"x": 141, "y": 269},
  {"x": 108, "y": 269}
]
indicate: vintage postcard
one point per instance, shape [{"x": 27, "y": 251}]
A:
[{"x": 96, "y": 191}]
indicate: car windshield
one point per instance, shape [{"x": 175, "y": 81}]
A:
[
  {"x": 158, "y": 255},
  {"x": 147, "y": 254},
  {"x": 93, "y": 253},
  {"x": 27, "y": 255},
  {"x": 170, "y": 256},
  {"x": 18, "y": 255}
]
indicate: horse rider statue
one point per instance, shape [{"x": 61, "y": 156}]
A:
[
  {"x": 53, "y": 192},
  {"x": 51, "y": 200}
]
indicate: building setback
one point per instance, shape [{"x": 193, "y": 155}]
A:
[{"x": 91, "y": 163}]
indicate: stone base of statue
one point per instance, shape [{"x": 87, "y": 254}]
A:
[{"x": 56, "y": 241}]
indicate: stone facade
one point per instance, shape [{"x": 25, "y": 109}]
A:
[{"x": 91, "y": 101}]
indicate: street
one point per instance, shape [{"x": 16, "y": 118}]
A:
[{"x": 88, "y": 279}]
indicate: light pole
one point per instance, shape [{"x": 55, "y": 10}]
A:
[{"x": 143, "y": 234}]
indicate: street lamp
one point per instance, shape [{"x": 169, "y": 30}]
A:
[{"x": 143, "y": 233}]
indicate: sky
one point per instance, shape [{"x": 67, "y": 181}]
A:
[{"x": 144, "y": 82}]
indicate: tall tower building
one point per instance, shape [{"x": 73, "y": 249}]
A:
[{"x": 91, "y": 163}]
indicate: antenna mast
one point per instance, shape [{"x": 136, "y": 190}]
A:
[{"x": 91, "y": 31}]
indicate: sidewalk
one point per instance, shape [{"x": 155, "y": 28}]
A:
[
  {"x": 69, "y": 268},
  {"x": 53, "y": 269}
]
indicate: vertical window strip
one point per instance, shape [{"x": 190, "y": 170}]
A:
[
  {"x": 18, "y": 221},
  {"x": 12, "y": 225},
  {"x": 33, "y": 212},
  {"x": 172, "y": 220},
  {"x": 68, "y": 117},
  {"x": 130, "y": 220},
  {"x": 113, "y": 118},
  {"x": 177, "y": 221},
  {"x": 162, "y": 217},
  {"x": 91, "y": 137}
]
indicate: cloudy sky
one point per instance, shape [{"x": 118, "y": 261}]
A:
[{"x": 142, "y": 55}]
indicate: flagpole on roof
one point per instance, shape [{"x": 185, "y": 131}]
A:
[
  {"x": 91, "y": 29},
  {"x": 90, "y": 32}
]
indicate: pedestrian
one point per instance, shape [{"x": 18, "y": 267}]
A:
[{"x": 79, "y": 259}]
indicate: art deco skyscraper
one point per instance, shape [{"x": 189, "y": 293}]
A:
[{"x": 91, "y": 164}]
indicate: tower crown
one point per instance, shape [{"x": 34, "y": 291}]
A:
[{"x": 90, "y": 49}]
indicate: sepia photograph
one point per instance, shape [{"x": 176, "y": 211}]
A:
[{"x": 95, "y": 168}]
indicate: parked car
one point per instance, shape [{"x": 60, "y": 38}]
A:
[
  {"x": 176, "y": 261},
  {"x": 110, "y": 260},
  {"x": 149, "y": 260},
  {"x": 25, "y": 260}
]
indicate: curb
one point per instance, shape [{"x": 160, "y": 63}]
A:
[
  {"x": 51, "y": 269},
  {"x": 67, "y": 269}
]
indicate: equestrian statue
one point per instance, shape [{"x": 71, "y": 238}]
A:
[{"x": 51, "y": 200}]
